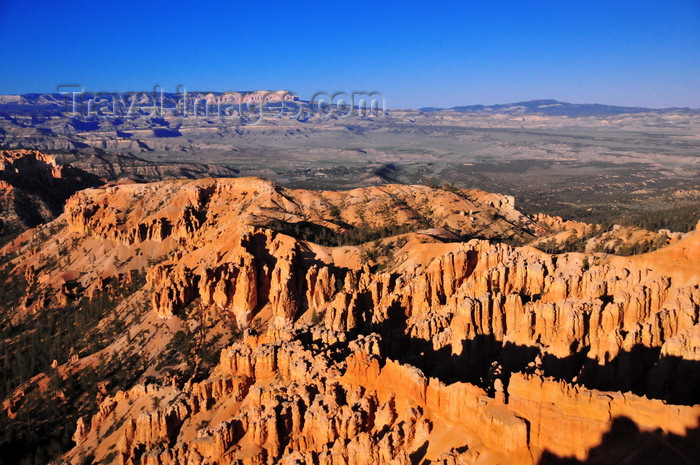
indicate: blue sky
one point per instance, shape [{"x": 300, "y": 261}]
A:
[{"x": 644, "y": 53}]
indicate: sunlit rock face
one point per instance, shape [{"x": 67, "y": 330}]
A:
[{"x": 288, "y": 326}]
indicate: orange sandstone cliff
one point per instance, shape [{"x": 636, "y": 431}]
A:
[
  {"x": 33, "y": 187},
  {"x": 243, "y": 323}
]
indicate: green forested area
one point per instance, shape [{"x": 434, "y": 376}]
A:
[{"x": 44, "y": 424}]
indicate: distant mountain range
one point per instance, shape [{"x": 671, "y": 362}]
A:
[
  {"x": 55, "y": 104},
  {"x": 556, "y": 108}
]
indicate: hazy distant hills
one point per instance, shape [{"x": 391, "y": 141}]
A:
[
  {"x": 622, "y": 158},
  {"x": 556, "y": 108},
  {"x": 56, "y": 104}
]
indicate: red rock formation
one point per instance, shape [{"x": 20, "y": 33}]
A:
[
  {"x": 456, "y": 352},
  {"x": 33, "y": 187}
]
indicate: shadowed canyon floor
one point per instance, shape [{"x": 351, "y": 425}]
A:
[{"x": 234, "y": 321}]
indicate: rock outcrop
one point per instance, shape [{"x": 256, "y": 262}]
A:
[
  {"x": 257, "y": 342},
  {"x": 33, "y": 187}
]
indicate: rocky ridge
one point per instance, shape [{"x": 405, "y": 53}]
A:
[
  {"x": 420, "y": 347},
  {"x": 34, "y": 186}
]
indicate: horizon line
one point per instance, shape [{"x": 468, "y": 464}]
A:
[{"x": 426, "y": 107}]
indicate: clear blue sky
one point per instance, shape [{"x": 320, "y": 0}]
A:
[{"x": 644, "y": 53}]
